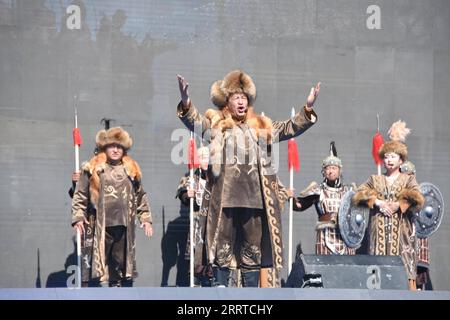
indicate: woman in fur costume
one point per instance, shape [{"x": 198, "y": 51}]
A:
[
  {"x": 393, "y": 199},
  {"x": 242, "y": 200},
  {"x": 111, "y": 183}
]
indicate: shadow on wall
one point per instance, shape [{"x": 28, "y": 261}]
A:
[
  {"x": 77, "y": 61},
  {"x": 173, "y": 248},
  {"x": 59, "y": 278}
]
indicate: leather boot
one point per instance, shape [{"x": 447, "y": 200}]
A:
[
  {"x": 250, "y": 278},
  {"x": 221, "y": 276},
  {"x": 412, "y": 285}
]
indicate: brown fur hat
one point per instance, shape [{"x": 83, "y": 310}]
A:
[
  {"x": 234, "y": 82},
  {"x": 113, "y": 135},
  {"x": 395, "y": 147}
]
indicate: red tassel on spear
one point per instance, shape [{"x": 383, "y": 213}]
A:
[
  {"x": 293, "y": 164},
  {"x": 377, "y": 142},
  {"x": 293, "y": 157},
  {"x": 193, "y": 161},
  {"x": 77, "y": 140}
]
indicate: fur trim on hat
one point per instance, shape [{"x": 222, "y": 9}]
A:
[
  {"x": 97, "y": 165},
  {"x": 234, "y": 82},
  {"x": 113, "y": 135},
  {"x": 221, "y": 120},
  {"x": 395, "y": 147}
]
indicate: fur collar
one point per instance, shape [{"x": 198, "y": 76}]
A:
[
  {"x": 97, "y": 165},
  {"x": 222, "y": 119}
]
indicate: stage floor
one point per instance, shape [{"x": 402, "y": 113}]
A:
[{"x": 182, "y": 293}]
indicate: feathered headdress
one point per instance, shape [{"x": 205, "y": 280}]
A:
[
  {"x": 332, "y": 159},
  {"x": 397, "y": 133}
]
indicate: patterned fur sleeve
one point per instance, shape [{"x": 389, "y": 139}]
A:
[
  {"x": 303, "y": 120},
  {"x": 365, "y": 194},
  {"x": 143, "y": 206},
  {"x": 283, "y": 195},
  {"x": 192, "y": 118},
  {"x": 410, "y": 197},
  {"x": 80, "y": 198}
]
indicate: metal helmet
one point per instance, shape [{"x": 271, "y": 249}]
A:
[
  {"x": 332, "y": 159},
  {"x": 408, "y": 167}
]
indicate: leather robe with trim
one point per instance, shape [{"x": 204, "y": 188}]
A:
[
  {"x": 265, "y": 132},
  {"x": 89, "y": 192}
]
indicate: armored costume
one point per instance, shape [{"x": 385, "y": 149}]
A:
[
  {"x": 326, "y": 198},
  {"x": 203, "y": 273}
]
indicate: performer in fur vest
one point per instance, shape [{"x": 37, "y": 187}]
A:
[
  {"x": 111, "y": 183},
  {"x": 393, "y": 199},
  {"x": 242, "y": 201},
  {"x": 326, "y": 197}
]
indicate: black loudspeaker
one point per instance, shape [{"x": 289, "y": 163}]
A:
[{"x": 348, "y": 272}]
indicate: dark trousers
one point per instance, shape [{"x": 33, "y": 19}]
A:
[
  {"x": 240, "y": 235},
  {"x": 115, "y": 252}
]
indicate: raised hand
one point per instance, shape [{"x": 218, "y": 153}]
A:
[
  {"x": 183, "y": 86},
  {"x": 313, "y": 96}
]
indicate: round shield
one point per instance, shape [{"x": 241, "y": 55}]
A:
[
  {"x": 429, "y": 218},
  {"x": 352, "y": 221}
]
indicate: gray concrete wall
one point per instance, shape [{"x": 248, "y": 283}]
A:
[{"x": 122, "y": 63}]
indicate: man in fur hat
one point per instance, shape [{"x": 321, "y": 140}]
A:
[
  {"x": 242, "y": 201},
  {"x": 111, "y": 183},
  {"x": 326, "y": 197},
  {"x": 393, "y": 199}
]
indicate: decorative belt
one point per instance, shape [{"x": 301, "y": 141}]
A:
[{"x": 325, "y": 217}]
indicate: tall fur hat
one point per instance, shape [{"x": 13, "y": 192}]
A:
[
  {"x": 397, "y": 133},
  {"x": 113, "y": 135},
  {"x": 234, "y": 82}
]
